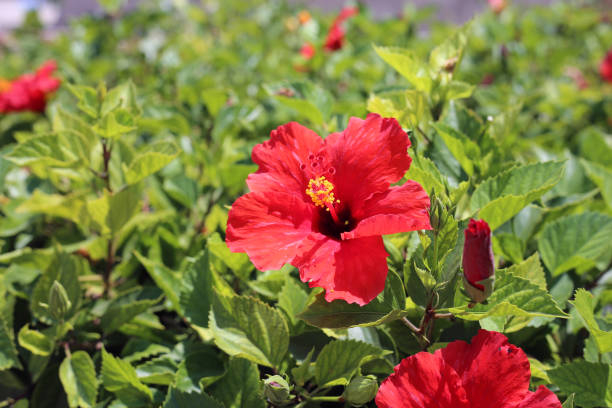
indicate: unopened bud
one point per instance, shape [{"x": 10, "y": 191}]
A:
[
  {"x": 449, "y": 64},
  {"x": 436, "y": 212},
  {"x": 361, "y": 390},
  {"x": 277, "y": 390},
  {"x": 478, "y": 261},
  {"x": 59, "y": 303}
]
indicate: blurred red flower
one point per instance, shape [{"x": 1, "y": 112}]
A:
[
  {"x": 323, "y": 204},
  {"x": 605, "y": 69},
  {"x": 478, "y": 260},
  {"x": 335, "y": 36},
  {"x": 488, "y": 372},
  {"x": 307, "y": 51},
  {"x": 497, "y": 6},
  {"x": 28, "y": 92}
]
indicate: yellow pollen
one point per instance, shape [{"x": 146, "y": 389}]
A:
[{"x": 320, "y": 191}]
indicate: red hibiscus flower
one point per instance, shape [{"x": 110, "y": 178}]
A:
[
  {"x": 307, "y": 51},
  {"x": 605, "y": 69},
  {"x": 322, "y": 205},
  {"x": 335, "y": 36},
  {"x": 29, "y": 91},
  {"x": 487, "y": 373},
  {"x": 478, "y": 260}
]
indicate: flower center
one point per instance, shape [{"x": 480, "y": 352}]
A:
[{"x": 320, "y": 191}]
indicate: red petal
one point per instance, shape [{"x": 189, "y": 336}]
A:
[
  {"x": 353, "y": 270},
  {"x": 316, "y": 260},
  {"x": 283, "y": 160},
  {"x": 493, "y": 372},
  {"x": 47, "y": 68},
  {"x": 368, "y": 156},
  {"x": 422, "y": 381},
  {"x": 542, "y": 398},
  {"x": 399, "y": 209},
  {"x": 268, "y": 227},
  {"x": 361, "y": 270}
]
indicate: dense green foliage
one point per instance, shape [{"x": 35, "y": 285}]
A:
[{"x": 116, "y": 285}]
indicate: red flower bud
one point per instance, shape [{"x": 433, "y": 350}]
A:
[
  {"x": 478, "y": 261},
  {"x": 605, "y": 69},
  {"x": 307, "y": 51},
  {"x": 497, "y": 6}
]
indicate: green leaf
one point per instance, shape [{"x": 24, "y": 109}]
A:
[
  {"x": 509, "y": 246},
  {"x": 585, "y": 303},
  {"x": 239, "y": 263},
  {"x": 292, "y": 299},
  {"x": 159, "y": 370},
  {"x": 303, "y": 107},
  {"x": 78, "y": 376},
  {"x": 152, "y": 159},
  {"x": 197, "y": 291},
  {"x": 169, "y": 281},
  {"x": 459, "y": 90},
  {"x": 595, "y": 146},
  {"x": 115, "y": 124},
  {"x": 387, "y": 306},
  {"x": 340, "y": 359},
  {"x": 409, "y": 107},
  {"x": 36, "y": 342},
  {"x": 425, "y": 172},
  {"x": 47, "y": 150},
  {"x": 309, "y": 100},
  {"x": 602, "y": 177},
  {"x": 408, "y": 65},
  {"x": 88, "y": 99},
  {"x": 450, "y": 50},
  {"x": 122, "y": 96},
  {"x": 240, "y": 386},
  {"x": 569, "y": 402},
  {"x": 111, "y": 212},
  {"x": 304, "y": 371},
  {"x": 462, "y": 147},
  {"x": 65, "y": 269},
  {"x": 513, "y": 296},
  {"x": 71, "y": 207},
  {"x": 251, "y": 329},
  {"x": 501, "y": 197},
  {"x": 591, "y": 382},
  {"x": 118, "y": 314},
  {"x": 181, "y": 399},
  {"x": 120, "y": 378},
  {"x": 530, "y": 269},
  {"x": 8, "y": 352},
  {"x": 575, "y": 241},
  {"x": 202, "y": 366},
  {"x": 77, "y": 131}
]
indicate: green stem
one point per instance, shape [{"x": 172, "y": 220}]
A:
[
  {"x": 327, "y": 399},
  {"x": 110, "y": 261}
]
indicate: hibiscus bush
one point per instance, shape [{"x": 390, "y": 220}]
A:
[{"x": 257, "y": 204}]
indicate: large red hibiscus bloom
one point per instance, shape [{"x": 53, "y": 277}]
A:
[
  {"x": 487, "y": 373},
  {"x": 29, "y": 91},
  {"x": 322, "y": 205}
]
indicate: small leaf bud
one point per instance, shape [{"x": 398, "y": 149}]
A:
[
  {"x": 59, "y": 303},
  {"x": 277, "y": 390},
  {"x": 361, "y": 390}
]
